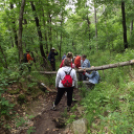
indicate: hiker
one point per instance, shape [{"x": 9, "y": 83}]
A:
[
  {"x": 64, "y": 56},
  {"x": 66, "y": 81},
  {"x": 77, "y": 61},
  {"x": 93, "y": 78},
  {"x": 69, "y": 56},
  {"x": 51, "y": 57},
  {"x": 85, "y": 63},
  {"x": 28, "y": 59}
]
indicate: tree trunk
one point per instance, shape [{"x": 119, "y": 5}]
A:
[
  {"x": 39, "y": 33},
  {"x": 131, "y": 27},
  {"x": 61, "y": 36},
  {"x": 20, "y": 31},
  {"x": 4, "y": 64},
  {"x": 120, "y": 64},
  {"x": 88, "y": 22},
  {"x": 124, "y": 24},
  {"x": 95, "y": 20},
  {"x": 50, "y": 31},
  {"x": 46, "y": 44},
  {"x": 14, "y": 29}
]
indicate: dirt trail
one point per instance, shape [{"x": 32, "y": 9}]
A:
[{"x": 44, "y": 123}]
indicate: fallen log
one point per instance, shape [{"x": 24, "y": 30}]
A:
[
  {"x": 47, "y": 88},
  {"x": 48, "y": 72},
  {"x": 120, "y": 64}
]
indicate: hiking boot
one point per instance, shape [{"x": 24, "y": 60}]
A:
[
  {"x": 54, "y": 107},
  {"x": 66, "y": 94},
  {"x": 68, "y": 108}
]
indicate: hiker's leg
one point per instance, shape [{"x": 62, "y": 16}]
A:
[
  {"x": 54, "y": 66},
  {"x": 92, "y": 86},
  {"x": 60, "y": 93},
  {"x": 84, "y": 77},
  {"x": 85, "y": 84},
  {"x": 80, "y": 76},
  {"x": 29, "y": 68},
  {"x": 69, "y": 95}
]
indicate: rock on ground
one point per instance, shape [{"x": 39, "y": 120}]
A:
[{"x": 79, "y": 126}]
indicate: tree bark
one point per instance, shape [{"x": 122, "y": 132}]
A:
[
  {"x": 39, "y": 33},
  {"x": 88, "y": 22},
  {"x": 46, "y": 44},
  {"x": 50, "y": 30},
  {"x": 14, "y": 29},
  {"x": 124, "y": 24},
  {"x": 61, "y": 36},
  {"x": 131, "y": 27},
  {"x": 20, "y": 31},
  {"x": 95, "y": 20},
  {"x": 4, "y": 64},
  {"x": 120, "y": 64}
]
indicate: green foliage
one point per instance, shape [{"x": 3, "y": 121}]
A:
[
  {"x": 111, "y": 101},
  {"x": 76, "y": 32},
  {"x": 21, "y": 99},
  {"x": 5, "y": 106},
  {"x": 21, "y": 122},
  {"x": 71, "y": 119},
  {"x": 30, "y": 130}
]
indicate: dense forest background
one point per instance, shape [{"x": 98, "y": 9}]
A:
[
  {"x": 41, "y": 25},
  {"x": 101, "y": 29}
]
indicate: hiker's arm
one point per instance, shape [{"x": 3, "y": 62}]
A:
[
  {"x": 55, "y": 53},
  {"x": 85, "y": 64},
  {"x": 75, "y": 79},
  {"x": 89, "y": 75},
  {"x": 57, "y": 80}
]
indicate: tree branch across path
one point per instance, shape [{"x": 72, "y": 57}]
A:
[{"x": 120, "y": 64}]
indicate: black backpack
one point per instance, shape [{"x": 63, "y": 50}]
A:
[{"x": 25, "y": 58}]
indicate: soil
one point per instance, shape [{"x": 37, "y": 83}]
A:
[
  {"x": 44, "y": 123},
  {"x": 44, "y": 120}
]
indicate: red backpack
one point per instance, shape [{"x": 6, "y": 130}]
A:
[{"x": 67, "y": 81}]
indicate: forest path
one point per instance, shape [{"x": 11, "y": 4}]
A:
[{"x": 44, "y": 123}]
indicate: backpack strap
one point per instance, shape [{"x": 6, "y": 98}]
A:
[
  {"x": 65, "y": 72},
  {"x": 70, "y": 71}
]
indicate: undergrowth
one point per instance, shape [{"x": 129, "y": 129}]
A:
[{"x": 110, "y": 106}]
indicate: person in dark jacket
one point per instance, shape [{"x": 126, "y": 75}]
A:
[{"x": 51, "y": 58}]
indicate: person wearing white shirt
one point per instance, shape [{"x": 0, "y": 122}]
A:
[{"x": 61, "y": 89}]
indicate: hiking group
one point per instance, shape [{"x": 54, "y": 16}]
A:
[{"x": 66, "y": 77}]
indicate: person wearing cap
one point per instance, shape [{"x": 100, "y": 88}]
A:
[
  {"x": 69, "y": 56},
  {"x": 93, "y": 78},
  {"x": 51, "y": 57}
]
